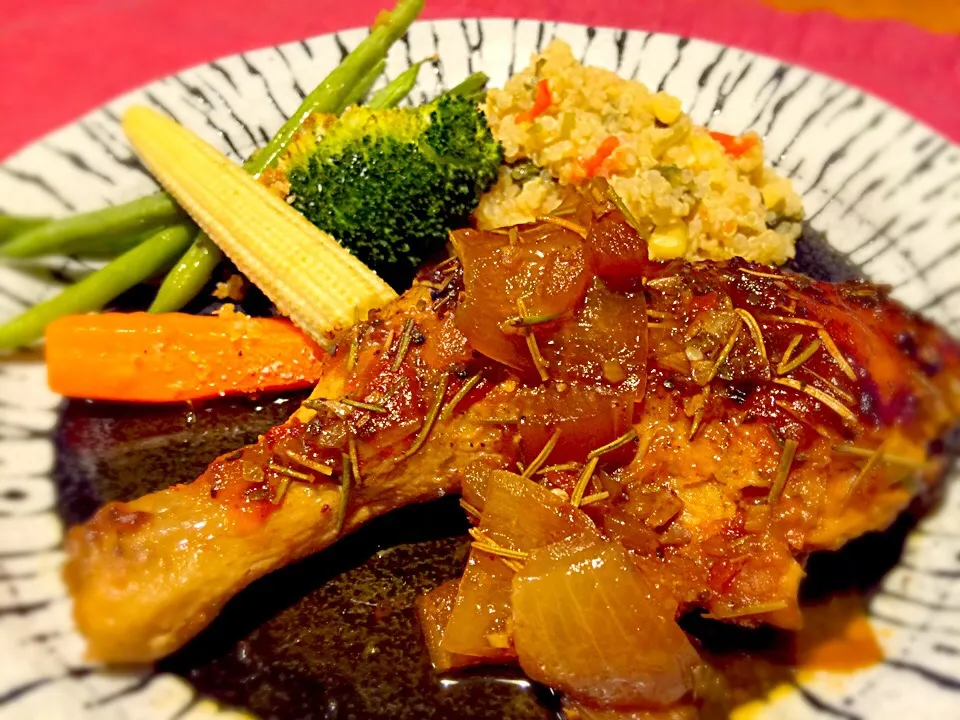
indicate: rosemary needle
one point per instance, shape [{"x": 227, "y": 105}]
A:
[
  {"x": 364, "y": 405},
  {"x": 469, "y": 385},
  {"x": 471, "y": 509},
  {"x": 543, "y": 455},
  {"x": 614, "y": 444},
  {"x": 583, "y": 481},
  {"x": 430, "y": 420},
  {"x": 354, "y": 458},
  {"x": 404, "y": 345},
  {"x": 783, "y": 470},
  {"x": 344, "y": 494},
  {"x": 282, "y": 488},
  {"x": 295, "y": 474},
  {"x": 308, "y": 463}
]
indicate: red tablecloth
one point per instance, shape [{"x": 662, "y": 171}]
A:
[{"x": 60, "y": 58}]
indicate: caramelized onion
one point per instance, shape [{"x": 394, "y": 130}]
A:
[
  {"x": 618, "y": 253},
  {"x": 588, "y": 622},
  {"x": 475, "y": 476},
  {"x": 630, "y": 530},
  {"x": 434, "y": 610},
  {"x": 482, "y": 610},
  {"x": 605, "y": 343},
  {"x": 587, "y": 417},
  {"x": 522, "y": 515},
  {"x": 519, "y": 515},
  {"x": 545, "y": 268}
]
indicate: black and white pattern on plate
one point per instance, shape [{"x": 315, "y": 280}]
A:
[{"x": 884, "y": 188}]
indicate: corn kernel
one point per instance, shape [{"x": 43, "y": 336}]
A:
[
  {"x": 773, "y": 196},
  {"x": 706, "y": 150},
  {"x": 666, "y": 108},
  {"x": 668, "y": 243}
]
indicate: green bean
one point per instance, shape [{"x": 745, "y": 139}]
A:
[
  {"x": 194, "y": 270},
  {"x": 109, "y": 248},
  {"x": 188, "y": 277},
  {"x": 11, "y": 225},
  {"x": 146, "y": 260},
  {"x": 69, "y": 235},
  {"x": 106, "y": 247},
  {"x": 330, "y": 93},
  {"x": 360, "y": 90},
  {"x": 397, "y": 89},
  {"x": 472, "y": 87}
]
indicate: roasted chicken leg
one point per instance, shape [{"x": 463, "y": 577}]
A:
[{"x": 724, "y": 420}]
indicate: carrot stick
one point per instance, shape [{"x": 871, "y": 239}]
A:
[{"x": 139, "y": 357}]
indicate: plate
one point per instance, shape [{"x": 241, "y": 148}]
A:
[{"x": 332, "y": 637}]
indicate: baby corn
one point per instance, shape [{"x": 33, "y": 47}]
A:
[{"x": 303, "y": 270}]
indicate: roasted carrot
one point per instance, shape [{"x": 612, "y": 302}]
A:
[
  {"x": 733, "y": 145},
  {"x": 139, "y": 357}
]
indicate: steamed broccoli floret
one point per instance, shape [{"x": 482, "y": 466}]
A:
[{"x": 389, "y": 184}]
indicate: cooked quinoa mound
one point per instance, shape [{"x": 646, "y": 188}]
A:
[{"x": 695, "y": 194}]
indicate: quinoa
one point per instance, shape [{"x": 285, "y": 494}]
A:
[{"x": 702, "y": 195}]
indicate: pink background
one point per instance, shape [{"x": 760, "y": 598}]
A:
[{"x": 60, "y": 58}]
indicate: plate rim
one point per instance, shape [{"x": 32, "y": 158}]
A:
[{"x": 888, "y": 105}]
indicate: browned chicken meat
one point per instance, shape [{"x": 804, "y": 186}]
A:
[{"x": 635, "y": 440}]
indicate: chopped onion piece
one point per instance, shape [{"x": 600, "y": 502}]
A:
[{"x": 587, "y": 621}]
